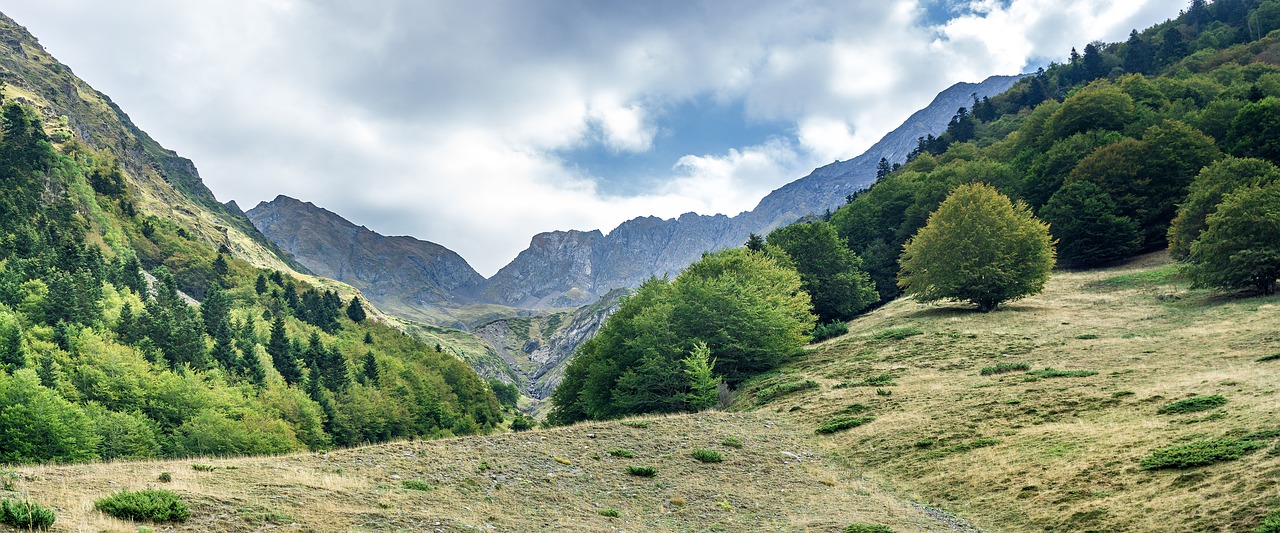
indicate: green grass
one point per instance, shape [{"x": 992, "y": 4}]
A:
[
  {"x": 843, "y": 423},
  {"x": 1004, "y": 368},
  {"x": 897, "y": 334},
  {"x": 1049, "y": 372},
  {"x": 150, "y": 504},
  {"x": 198, "y": 467},
  {"x": 1193, "y": 404},
  {"x": 867, "y": 528},
  {"x": 621, "y": 452},
  {"x": 413, "y": 484},
  {"x": 642, "y": 471},
  {"x": 1198, "y": 453},
  {"x": 1167, "y": 275},
  {"x": 1270, "y": 524},
  {"x": 1272, "y": 357},
  {"x": 732, "y": 442},
  {"x": 782, "y": 389},
  {"x": 961, "y": 448},
  {"x": 707, "y": 456},
  {"x": 611, "y": 513},
  {"x": 25, "y": 515},
  {"x": 638, "y": 424}
]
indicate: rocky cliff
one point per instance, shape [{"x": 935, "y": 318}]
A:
[{"x": 401, "y": 275}]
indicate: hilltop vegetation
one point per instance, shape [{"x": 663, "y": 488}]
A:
[{"x": 99, "y": 362}]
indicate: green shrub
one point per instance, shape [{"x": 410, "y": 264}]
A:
[
  {"x": 642, "y": 471},
  {"x": 1004, "y": 368},
  {"x": 1087, "y": 336},
  {"x": 156, "y": 505},
  {"x": 897, "y": 334},
  {"x": 165, "y": 477},
  {"x": 413, "y": 484},
  {"x": 1055, "y": 373},
  {"x": 1271, "y": 357},
  {"x": 198, "y": 467},
  {"x": 622, "y": 453},
  {"x": 1198, "y": 453},
  {"x": 707, "y": 456},
  {"x": 882, "y": 380},
  {"x": 482, "y": 467},
  {"x": 522, "y": 423},
  {"x": 638, "y": 424},
  {"x": 1193, "y": 404},
  {"x": 783, "y": 389},
  {"x": 1270, "y": 524},
  {"x": 611, "y": 513},
  {"x": 884, "y": 392},
  {"x": 25, "y": 515},
  {"x": 830, "y": 330},
  {"x": 842, "y": 423},
  {"x": 867, "y": 528},
  {"x": 732, "y": 442}
]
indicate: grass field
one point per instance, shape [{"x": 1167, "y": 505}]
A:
[{"x": 1077, "y": 410}]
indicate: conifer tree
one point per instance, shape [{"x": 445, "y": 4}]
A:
[
  {"x": 369, "y": 375},
  {"x": 355, "y": 311},
  {"x": 282, "y": 354}
]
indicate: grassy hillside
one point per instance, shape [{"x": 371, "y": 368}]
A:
[
  {"x": 556, "y": 479},
  {"x": 1027, "y": 451}
]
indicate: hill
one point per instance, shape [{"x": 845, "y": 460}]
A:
[{"x": 1016, "y": 451}]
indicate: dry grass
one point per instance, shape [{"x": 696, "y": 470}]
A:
[
  {"x": 538, "y": 480},
  {"x": 1068, "y": 448}
]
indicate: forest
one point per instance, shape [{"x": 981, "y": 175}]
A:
[{"x": 123, "y": 337}]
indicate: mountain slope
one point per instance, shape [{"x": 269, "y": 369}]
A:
[
  {"x": 401, "y": 275},
  {"x": 169, "y": 186},
  {"x": 575, "y": 267}
]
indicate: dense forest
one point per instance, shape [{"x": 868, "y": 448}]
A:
[
  {"x": 122, "y": 336},
  {"x": 1167, "y": 140}
]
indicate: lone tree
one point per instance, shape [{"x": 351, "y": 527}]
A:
[
  {"x": 977, "y": 247},
  {"x": 1241, "y": 247}
]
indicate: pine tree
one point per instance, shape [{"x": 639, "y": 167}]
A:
[
  {"x": 260, "y": 286},
  {"x": 369, "y": 376},
  {"x": 703, "y": 383},
  {"x": 281, "y": 351},
  {"x": 12, "y": 355},
  {"x": 355, "y": 311},
  {"x": 754, "y": 243}
]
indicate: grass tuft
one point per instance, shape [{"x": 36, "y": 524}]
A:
[
  {"x": 413, "y": 484},
  {"x": 638, "y": 424},
  {"x": 867, "y": 528},
  {"x": 622, "y": 452},
  {"x": 1193, "y": 404},
  {"x": 707, "y": 456},
  {"x": 732, "y": 442},
  {"x": 1198, "y": 453},
  {"x": 611, "y": 513},
  {"x": 897, "y": 334},
  {"x": 843, "y": 423},
  {"x": 155, "y": 505},
  {"x": 1004, "y": 368},
  {"x": 1272, "y": 357},
  {"x": 198, "y": 467},
  {"x": 165, "y": 477},
  {"x": 1270, "y": 524},
  {"x": 1049, "y": 372},
  {"x": 642, "y": 471}
]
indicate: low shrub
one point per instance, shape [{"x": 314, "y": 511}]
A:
[
  {"x": 1055, "y": 373},
  {"x": 1198, "y": 453},
  {"x": 1086, "y": 336},
  {"x": 1270, "y": 524},
  {"x": 622, "y": 452},
  {"x": 156, "y": 505},
  {"x": 1193, "y": 404},
  {"x": 1271, "y": 357},
  {"x": 707, "y": 456},
  {"x": 638, "y": 424},
  {"x": 413, "y": 484},
  {"x": 829, "y": 330},
  {"x": 897, "y": 334},
  {"x": 843, "y": 423},
  {"x": 867, "y": 528},
  {"x": 522, "y": 423},
  {"x": 1004, "y": 368},
  {"x": 482, "y": 467},
  {"x": 25, "y": 515},
  {"x": 732, "y": 442},
  {"x": 611, "y": 513},
  {"x": 642, "y": 471},
  {"x": 203, "y": 467},
  {"x": 783, "y": 389},
  {"x": 882, "y": 380},
  {"x": 165, "y": 477}
]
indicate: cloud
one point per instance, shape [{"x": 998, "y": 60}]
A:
[{"x": 443, "y": 119}]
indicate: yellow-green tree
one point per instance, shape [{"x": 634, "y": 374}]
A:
[{"x": 977, "y": 247}]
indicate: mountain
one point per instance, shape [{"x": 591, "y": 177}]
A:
[
  {"x": 168, "y": 185},
  {"x": 568, "y": 267},
  {"x": 400, "y": 275}
]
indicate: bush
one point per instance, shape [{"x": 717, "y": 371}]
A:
[
  {"x": 611, "y": 513},
  {"x": 199, "y": 467},
  {"x": 843, "y": 423},
  {"x": 1004, "y": 368},
  {"x": 152, "y": 504},
  {"x": 867, "y": 528},
  {"x": 829, "y": 330},
  {"x": 25, "y": 515},
  {"x": 882, "y": 380},
  {"x": 522, "y": 423},
  {"x": 622, "y": 453},
  {"x": 642, "y": 471},
  {"x": 165, "y": 477},
  {"x": 707, "y": 456},
  {"x": 1270, "y": 524},
  {"x": 1193, "y": 404},
  {"x": 897, "y": 334},
  {"x": 413, "y": 484},
  {"x": 732, "y": 442},
  {"x": 783, "y": 389},
  {"x": 1198, "y": 453}
]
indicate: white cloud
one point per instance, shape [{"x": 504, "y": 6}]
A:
[{"x": 441, "y": 119}]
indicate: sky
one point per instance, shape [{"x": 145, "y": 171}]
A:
[{"x": 477, "y": 123}]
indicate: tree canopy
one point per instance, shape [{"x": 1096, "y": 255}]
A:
[
  {"x": 1240, "y": 248},
  {"x": 829, "y": 271}
]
